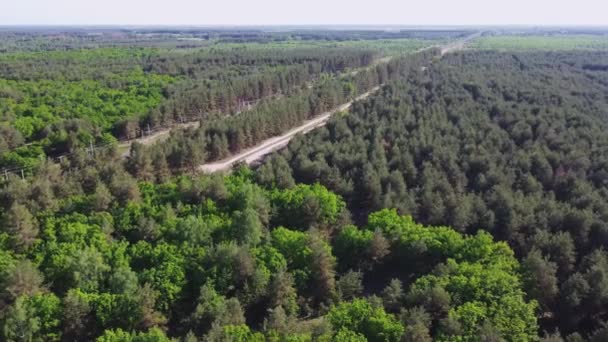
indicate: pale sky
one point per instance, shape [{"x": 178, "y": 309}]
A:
[{"x": 302, "y": 12}]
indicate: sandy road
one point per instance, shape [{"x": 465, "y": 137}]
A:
[
  {"x": 270, "y": 145},
  {"x": 459, "y": 44}
]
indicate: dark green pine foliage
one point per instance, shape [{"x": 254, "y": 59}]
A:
[{"x": 511, "y": 143}]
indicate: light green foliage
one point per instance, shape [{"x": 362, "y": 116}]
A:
[
  {"x": 293, "y": 245},
  {"x": 48, "y": 102},
  {"x": 345, "y": 335},
  {"x": 409, "y": 235},
  {"x": 478, "y": 283},
  {"x": 73, "y": 251},
  {"x": 118, "y": 335},
  {"x": 112, "y": 310},
  {"x": 74, "y": 112},
  {"x": 217, "y": 256},
  {"x": 270, "y": 258},
  {"x": 238, "y": 333},
  {"x": 162, "y": 266},
  {"x": 35, "y": 318},
  {"x": 482, "y": 293},
  {"x": 360, "y": 317},
  {"x": 306, "y": 206},
  {"x": 7, "y": 260},
  {"x": 352, "y": 240},
  {"x": 441, "y": 242}
]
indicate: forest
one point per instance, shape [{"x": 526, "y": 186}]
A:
[
  {"x": 463, "y": 201},
  {"x": 69, "y": 38},
  {"x": 553, "y": 42},
  {"x": 55, "y": 100},
  {"x": 512, "y": 143},
  {"x": 99, "y": 255}
]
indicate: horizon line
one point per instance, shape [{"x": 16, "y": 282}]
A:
[{"x": 571, "y": 25}]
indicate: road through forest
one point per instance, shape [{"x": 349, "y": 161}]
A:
[
  {"x": 270, "y": 145},
  {"x": 161, "y": 134}
]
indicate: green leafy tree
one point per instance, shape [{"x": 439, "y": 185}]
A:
[
  {"x": 118, "y": 335},
  {"x": 306, "y": 206},
  {"x": 33, "y": 318},
  {"x": 246, "y": 227},
  {"x": 360, "y": 317}
]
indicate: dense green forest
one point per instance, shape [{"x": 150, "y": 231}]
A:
[
  {"x": 464, "y": 201},
  {"x": 96, "y": 254},
  {"x": 511, "y": 143}
]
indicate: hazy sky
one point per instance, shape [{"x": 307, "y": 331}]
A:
[{"x": 297, "y": 12}]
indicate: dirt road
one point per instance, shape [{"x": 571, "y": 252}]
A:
[
  {"x": 267, "y": 146},
  {"x": 459, "y": 44}
]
